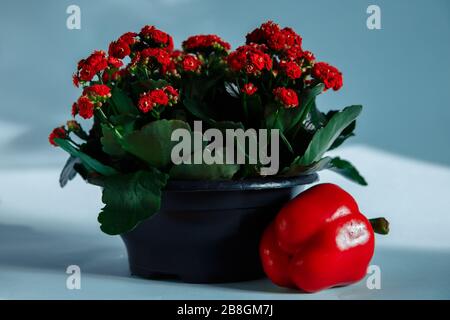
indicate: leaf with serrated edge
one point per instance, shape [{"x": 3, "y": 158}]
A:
[
  {"x": 130, "y": 199},
  {"x": 153, "y": 142}
]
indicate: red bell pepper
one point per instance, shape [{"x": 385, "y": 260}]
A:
[{"x": 318, "y": 240}]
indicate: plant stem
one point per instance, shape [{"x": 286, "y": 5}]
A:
[
  {"x": 380, "y": 225},
  {"x": 108, "y": 123},
  {"x": 244, "y": 105}
]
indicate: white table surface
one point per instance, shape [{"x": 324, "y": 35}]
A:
[{"x": 43, "y": 229}]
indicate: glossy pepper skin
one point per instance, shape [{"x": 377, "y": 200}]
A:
[{"x": 317, "y": 241}]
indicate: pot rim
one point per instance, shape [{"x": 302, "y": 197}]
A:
[{"x": 240, "y": 185}]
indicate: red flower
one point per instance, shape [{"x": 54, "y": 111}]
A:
[
  {"x": 329, "y": 75},
  {"x": 171, "y": 91},
  {"x": 145, "y": 103},
  {"x": 190, "y": 63},
  {"x": 157, "y": 37},
  {"x": 115, "y": 62},
  {"x": 270, "y": 34},
  {"x": 176, "y": 54},
  {"x": 291, "y": 69},
  {"x": 267, "y": 31},
  {"x": 276, "y": 41},
  {"x": 308, "y": 56},
  {"x": 86, "y": 73},
  {"x": 151, "y": 99},
  {"x": 204, "y": 42},
  {"x": 249, "y": 89},
  {"x": 172, "y": 94},
  {"x": 99, "y": 90},
  {"x": 287, "y": 97},
  {"x": 249, "y": 58},
  {"x": 57, "y": 133},
  {"x": 75, "y": 80},
  {"x": 291, "y": 38},
  {"x": 129, "y": 38},
  {"x": 88, "y": 68},
  {"x": 85, "y": 107},
  {"x": 119, "y": 49},
  {"x": 160, "y": 55},
  {"x": 159, "y": 97}
]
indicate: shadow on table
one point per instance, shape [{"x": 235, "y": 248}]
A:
[
  {"x": 403, "y": 270},
  {"x": 25, "y": 247}
]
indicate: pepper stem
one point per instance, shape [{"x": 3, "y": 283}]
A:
[{"x": 380, "y": 225}]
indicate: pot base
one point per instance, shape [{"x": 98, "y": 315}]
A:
[
  {"x": 208, "y": 235},
  {"x": 193, "y": 278}
]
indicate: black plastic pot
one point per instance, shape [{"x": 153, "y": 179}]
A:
[{"x": 209, "y": 231}]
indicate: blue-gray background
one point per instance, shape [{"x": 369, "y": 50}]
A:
[{"x": 399, "y": 73}]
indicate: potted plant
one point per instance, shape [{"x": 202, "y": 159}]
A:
[{"x": 195, "y": 220}]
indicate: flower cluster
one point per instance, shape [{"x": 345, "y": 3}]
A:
[
  {"x": 89, "y": 67},
  {"x": 121, "y": 48},
  {"x": 202, "y": 43},
  {"x": 329, "y": 75},
  {"x": 156, "y": 38},
  {"x": 287, "y": 97},
  {"x": 190, "y": 63},
  {"x": 291, "y": 69},
  {"x": 250, "y": 59},
  {"x": 272, "y": 64},
  {"x": 93, "y": 96},
  {"x": 277, "y": 39},
  {"x": 155, "y": 58},
  {"x": 166, "y": 96},
  {"x": 57, "y": 133}
]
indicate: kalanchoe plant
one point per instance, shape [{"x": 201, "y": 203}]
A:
[{"x": 142, "y": 89}]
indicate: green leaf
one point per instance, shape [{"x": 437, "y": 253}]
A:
[
  {"x": 255, "y": 110},
  {"x": 142, "y": 86},
  {"x": 272, "y": 115},
  {"x": 87, "y": 161},
  {"x": 346, "y": 133},
  {"x": 296, "y": 169},
  {"x": 153, "y": 142},
  {"x": 203, "y": 171},
  {"x": 286, "y": 142},
  {"x": 315, "y": 119},
  {"x": 325, "y": 137},
  {"x": 68, "y": 172},
  {"x": 123, "y": 103},
  {"x": 223, "y": 125},
  {"x": 130, "y": 199},
  {"x": 294, "y": 116},
  {"x": 346, "y": 169},
  {"x": 198, "y": 110},
  {"x": 110, "y": 143},
  {"x": 338, "y": 165}
]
